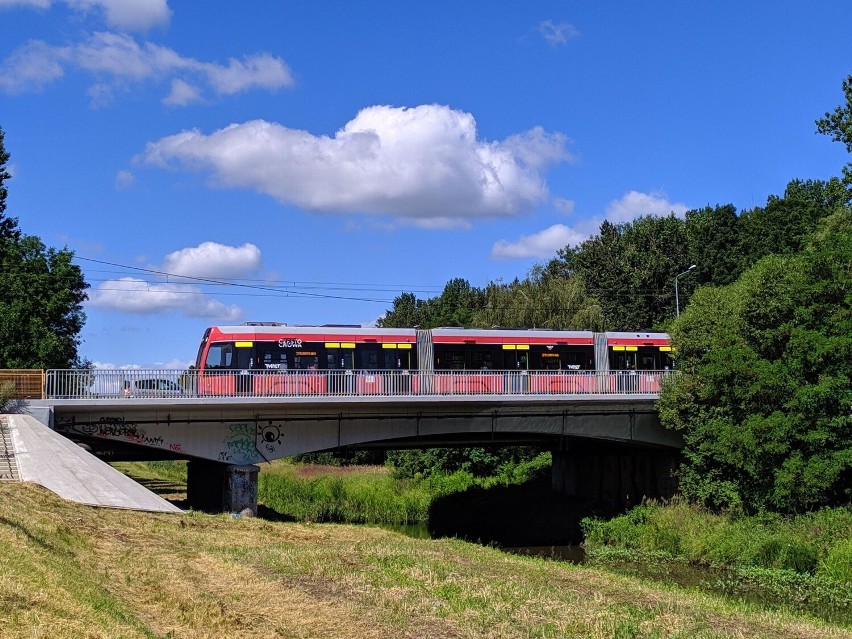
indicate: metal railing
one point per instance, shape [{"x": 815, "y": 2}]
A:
[{"x": 159, "y": 383}]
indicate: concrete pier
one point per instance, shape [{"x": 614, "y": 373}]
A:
[{"x": 215, "y": 487}]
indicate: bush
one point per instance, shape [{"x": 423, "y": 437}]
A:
[
  {"x": 814, "y": 543},
  {"x": 837, "y": 564},
  {"x": 7, "y": 392}
]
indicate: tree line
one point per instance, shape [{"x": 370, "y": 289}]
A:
[{"x": 623, "y": 277}]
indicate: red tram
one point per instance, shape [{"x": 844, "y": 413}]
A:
[{"x": 275, "y": 358}]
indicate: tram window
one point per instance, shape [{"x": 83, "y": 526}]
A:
[
  {"x": 550, "y": 361},
  {"x": 219, "y": 356},
  {"x": 482, "y": 361},
  {"x": 455, "y": 360},
  {"x": 370, "y": 359},
  {"x": 305, "y": 360},
  {"x": 574, "y": 361},
  {"x": 391, "y": 361},
  {"x": 622, "y": 361},
  {"x": 271, "y": 357}
]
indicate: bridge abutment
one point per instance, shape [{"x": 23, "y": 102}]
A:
[
  {"x": 215, "y": 487},
  {"x": 614, "y": 479}
]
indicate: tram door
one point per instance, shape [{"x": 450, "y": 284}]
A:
[
  {"x": 340, "y": 358},
  {"x": 243, "y": 380}
]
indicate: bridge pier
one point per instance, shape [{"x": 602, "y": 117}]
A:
[
  {"x": 614, "y": 479},
  {"x": 215, "y": 487}
]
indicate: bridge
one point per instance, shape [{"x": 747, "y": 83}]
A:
[{"x": 602, "y": 427}]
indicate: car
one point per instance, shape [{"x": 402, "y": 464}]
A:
[{"x": 154, "y": 387}]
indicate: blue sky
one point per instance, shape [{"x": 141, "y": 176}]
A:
[{"x": 306, "y": 162}]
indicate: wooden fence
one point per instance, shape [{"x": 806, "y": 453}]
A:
[{"x": 23, "y": 383}]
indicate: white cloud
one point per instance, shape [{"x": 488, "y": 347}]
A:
[
  {"x": 215, "y": 261},
  {"x": 121, "y": 14},
  {"x": 543, "y": 244},
  {"x": 546, "y": 243},
  {"x": 160, "y": 294},
  {"x": 563, "y": 205},
  {"x": 140, "y": 297},
  {"x": 182, "y": 94},
  {"x": 423, "y": 164},
  {"x": 635, "y": 204},
  {"x": 124, "y": 180},
  {"x": 119, "y": 58},
  {"x": 557, "y": 33},
  {"x": 127, "y": 14},
  {"x": 31, "y": 67}
]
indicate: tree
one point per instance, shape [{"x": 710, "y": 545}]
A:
[
  {"x": 838, "y": 124},
  {"x": 784, "y": 224},
  {"x": 407, "y": 312},
  {"x": 763, "y": 399},
  {"x": 714, "y": 244},
  {"x": 41, "y": 296},
  {"x": 456, "y": 305},
  {"x": 542, "y": 300},
  {"x": 630, "y": 269},
  {"x": 8, "y": 226}
]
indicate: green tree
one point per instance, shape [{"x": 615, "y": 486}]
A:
[
  {"x": 838, "y": 124},
  {"x": 630, "y": 269},
  {"x": 41, "y": 296},
  {"x": 714, "y": 244},
  {"x": 784, "y": 224},
  {"x": 456, "y": 305},
  {"x": 407, "y": 312},
  {"x": 764, "y": 398},
  {"x": 542, "y": 300}
]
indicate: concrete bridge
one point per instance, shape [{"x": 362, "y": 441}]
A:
[{"x": 603, "y": 428}]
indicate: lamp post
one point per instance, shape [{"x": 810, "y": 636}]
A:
[{"x": 677, "y": 299}]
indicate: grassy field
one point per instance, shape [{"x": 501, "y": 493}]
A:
[{"x": 74, "y": 571}]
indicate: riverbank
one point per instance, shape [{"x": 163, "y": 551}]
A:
[{"x": 70, "y": 571}]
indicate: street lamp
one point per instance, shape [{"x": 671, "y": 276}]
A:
[{"x": 677, "y": 299}]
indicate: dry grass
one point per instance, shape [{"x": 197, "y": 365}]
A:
[{"x": 73, "y": 571}]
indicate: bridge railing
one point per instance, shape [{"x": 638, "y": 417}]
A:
[{"x": 160, "y": 383}]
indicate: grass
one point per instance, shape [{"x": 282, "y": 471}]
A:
[
  {"x": 818, "y": 543},
  {"x": 75, "y": 571},
  {"x": 803, "y": 561}
]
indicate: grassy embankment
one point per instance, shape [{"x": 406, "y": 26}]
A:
[
  {"x": 805, "y": 560},
  {"x": 74, "y": 571}
]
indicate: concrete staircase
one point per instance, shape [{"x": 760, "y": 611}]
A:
[{"x": 8, "y": 465}]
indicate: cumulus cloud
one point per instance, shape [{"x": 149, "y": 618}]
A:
[
  {"x": 215, "y": 261},
  {"x": 543, "y": 244},
  {"x": 546, "y": 243},
  {"x": 172, "y": 288},
  {"x": 424, "y": 164},
  {"x": 634, "y": 204},
  {"x": 121, "y": 14},
  {"x": 557, "y": 33},
  {"x": 117, "y": 58}
]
